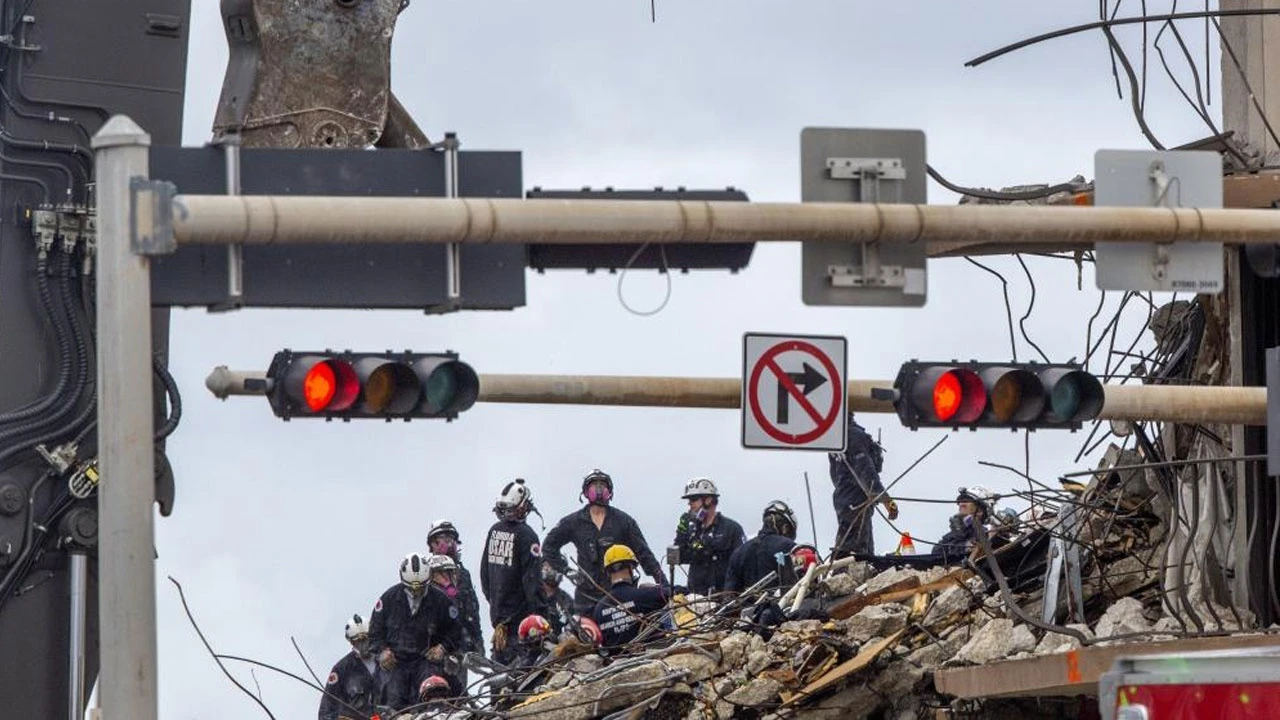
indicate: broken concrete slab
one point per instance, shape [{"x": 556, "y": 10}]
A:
[
  {"x": 874, "y": 621},
  {"x": 1021, "y": 640},
  {"x": 756, "y": 692},
  {"x": 1053, "y": 643},
  {"x": 989, "y": 643},
  {"x": 954, "y": 599},
  {"x": 1124, "y": 616}
]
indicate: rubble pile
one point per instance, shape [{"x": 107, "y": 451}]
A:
[
  {"x": 876, "y": 632},
  {"x": 874, "y": 657}
]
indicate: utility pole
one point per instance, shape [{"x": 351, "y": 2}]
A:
[{"x": 1249, "y": 45}]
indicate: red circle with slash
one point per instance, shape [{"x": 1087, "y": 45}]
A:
[{"x": 823, "y": 422}]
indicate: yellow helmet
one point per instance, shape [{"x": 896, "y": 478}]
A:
[{"x": 619, "y": 554}]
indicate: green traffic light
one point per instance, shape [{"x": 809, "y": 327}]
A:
[{"x": 441, "y": 388}]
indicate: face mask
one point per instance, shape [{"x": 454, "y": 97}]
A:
[
  {"x": 451, "y": 590},
  {"x": 598, "y": 494}
]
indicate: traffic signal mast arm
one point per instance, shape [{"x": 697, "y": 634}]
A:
[
  {"x": 1162, "y": 403},
  {"x": 259, "y": 220}
]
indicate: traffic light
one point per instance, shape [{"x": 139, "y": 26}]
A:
[
  {"x": 1004, "y": 395},
  {"x": 386, "y": 385}
]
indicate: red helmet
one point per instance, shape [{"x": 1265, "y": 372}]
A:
[
  {"x": 433, "y": 687},
  {"x": 589, "y": 632},
  {"x": 803, "y": 557},
  {"x": 534, "y": 629}
]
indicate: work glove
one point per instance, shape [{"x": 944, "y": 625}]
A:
[
  {"x": 891, "y": 508},
  {"x": 500, "y": 638},
  {"x": 387, "y": 659},
  {"x": 436, "y": 653}
]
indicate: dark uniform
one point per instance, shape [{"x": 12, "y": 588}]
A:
[
  {"x": 469, "y": 609},
  {"x": 619, "y": 614},
  {"x": 557, "y": 608},
  {"x": 353, "y": 688},
  {"x": 707, "y": 550},
  {"x": 618, "y": 528},
  {"x": 856, "y": 476},
  {"x": 510, "y": 575},
  {"x": 762, "y": 554},
  {"x": 410, "y": 632}
]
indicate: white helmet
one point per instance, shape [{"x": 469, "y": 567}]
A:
[
  {"x": 356, "y": 628},
  {"x": 440, "y": 527},
  {"x": 978, "y": 494},
  {"x": 413, "y": 571},
  {"x": 441, "y": 563},
  {"x": 515, "y": 500},
  {"x": 700, "y": 486}
]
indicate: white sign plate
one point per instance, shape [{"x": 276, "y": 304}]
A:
[
  {"x": 793, "y": 392},
  {"x": 1147, "y": 178}
]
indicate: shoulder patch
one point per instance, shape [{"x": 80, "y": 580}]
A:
[
  {"x": 453, "y": 612},
  {"x": 535, "y": 550},
  {"x": 333, "y": 678},
  {"x": 377, "y": 607}
]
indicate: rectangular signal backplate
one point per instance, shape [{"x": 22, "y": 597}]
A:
[
  {"x": 1150, "y": 178},
  {"x": 862, "y": 165}
]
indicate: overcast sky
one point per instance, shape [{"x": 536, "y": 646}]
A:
[{"x": 287, "y": 529}]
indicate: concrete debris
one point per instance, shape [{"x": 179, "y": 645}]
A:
[
  {"x": 953, "y": 600},
  {"x": 756, "y": 692},
  {"x": 874, "y": 621},
  {"x": 1123, "y": 617},
  {"x": 1022, "y": 641},
  {"x": 839, "y": 585},
  {"x": 1053, "y": 643},
  {"x": 890, "y": 577},
  {"x": 991, "y": 642}
]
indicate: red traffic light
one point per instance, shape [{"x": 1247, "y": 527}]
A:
[
  {"x": 949, "y": 395},
  {"x": 370, "y": 385},
  {"x": 322, "y": 384},
  {"x": 1008, "y": 395}
]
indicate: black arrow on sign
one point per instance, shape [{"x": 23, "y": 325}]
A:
[{"x": 807, "y": 381}]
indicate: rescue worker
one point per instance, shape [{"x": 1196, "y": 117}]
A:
[
  {"x": 510, "y": 569},
  {"x": 534, "y": 633},
  {"x": 767, "y": 552},
  {"x": 803, "y": 557},
  {"x": 855, "y": 473},
  {"x": 442, "y": 539},
  {"x": 705, "y": 537},
  {"x": 354, "y": 686},
  {"x": 593, "y": 530},
  {"x": 448, "y": 633},
  {"x": 402, "y": 631},
  {"x": 434, "y": 696},
  {"x": 974, "y": 504},
  {"x": 556, "y": 603},
  {"x": 620, "y": 612}
]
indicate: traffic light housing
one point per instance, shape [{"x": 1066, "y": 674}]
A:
[
  {"x": 1003, "y": 395},
  {"x": 385, "y": 386}
]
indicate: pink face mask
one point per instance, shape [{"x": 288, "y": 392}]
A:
[
  {"x": 451, "y": 590},
  {"x": 598, "y": 494}
]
